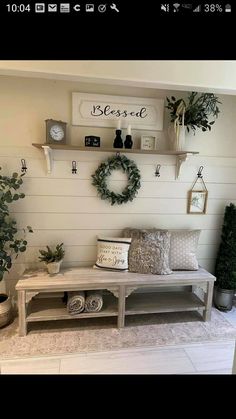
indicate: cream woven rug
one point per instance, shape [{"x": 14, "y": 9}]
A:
[{"x": 73, "y": 336}]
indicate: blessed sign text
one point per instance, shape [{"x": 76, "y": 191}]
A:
[{"x": 106, "y": 110}]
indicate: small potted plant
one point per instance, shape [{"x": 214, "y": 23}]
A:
[
  {"x": 52, "y": 258},
  {"x": 199, "y": 111}
]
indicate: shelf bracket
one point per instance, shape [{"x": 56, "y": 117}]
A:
[
  {"x": 180, "y": 159},
  {"x": 49, "y": 157}
]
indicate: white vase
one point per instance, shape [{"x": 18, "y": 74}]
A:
[
  {"x": 54, "y": 267},
  {"x": 177, "y": 141}
]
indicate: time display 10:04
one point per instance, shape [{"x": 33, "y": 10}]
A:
[{"x": 18, "y": 8}]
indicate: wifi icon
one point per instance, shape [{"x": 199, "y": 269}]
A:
[
  {"x": 197, "y": 9},
  {"x": 176, "y": 7}
]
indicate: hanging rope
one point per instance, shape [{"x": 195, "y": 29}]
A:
[
  {"x": 180, "y": 112},
  {"x": 199, "y": 176}
]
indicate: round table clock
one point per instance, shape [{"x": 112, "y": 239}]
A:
[{"x": 55, "y": 131}]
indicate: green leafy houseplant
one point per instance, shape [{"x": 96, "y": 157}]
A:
[
  {"x": 196, "y": 112},
  {"x": 49, "y": 255},
  {"x": 52, "y": 258},
  {"x": 10, "y": 244}
]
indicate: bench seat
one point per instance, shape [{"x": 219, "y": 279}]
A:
[{"x": 121, "y": 285}]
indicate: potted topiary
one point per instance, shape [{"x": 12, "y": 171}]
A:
[
  {"x": 52, "y": 258},
  {"x": 225, "y": 269},
  {"x": 10, "y": 242},
  {"x": 190, "y": 114}
]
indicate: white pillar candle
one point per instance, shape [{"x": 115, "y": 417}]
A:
[
  {"x": 118, "y": 124},
  {"x": 129, "y": 130}
]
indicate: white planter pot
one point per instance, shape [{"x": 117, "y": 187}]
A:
[
  {"x": 54, "y": 267},
  {"x": 5, "y": 310},
  {"x": 177, "y": 141}
]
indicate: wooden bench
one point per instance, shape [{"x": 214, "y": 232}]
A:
[{"x": 121, "y": 285}]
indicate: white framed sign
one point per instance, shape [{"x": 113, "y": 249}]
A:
[
  {"x": 148, "y": 142},
  {"x": 110, "y": 111}
]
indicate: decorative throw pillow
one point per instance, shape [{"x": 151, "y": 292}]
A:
[
  {"x": 112, "y": 253},
  {"x": 183, "y": 250},
  {"x": 150, "y": 253},
  {"x": 136, "y": 233}
]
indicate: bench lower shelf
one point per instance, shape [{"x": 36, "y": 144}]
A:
[{"x": 54, "y": 309}]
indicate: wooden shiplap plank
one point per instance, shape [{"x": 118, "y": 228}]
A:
[
  {"x": 89, "y": 252},
  {"x": 84, "y": 237},
  {"x": 55, "y": 204},
  {"x": 157, "y": 188},
  {"x": 88, "y": 221}
]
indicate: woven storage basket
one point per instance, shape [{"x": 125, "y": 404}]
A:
[{"x": 5, "y": 310}]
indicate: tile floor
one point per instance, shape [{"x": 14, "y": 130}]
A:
[{"x": 200, "y": 358}]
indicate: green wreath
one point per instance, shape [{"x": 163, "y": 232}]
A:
[{"x": 105, "y": 169}]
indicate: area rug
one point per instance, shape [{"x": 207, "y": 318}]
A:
[{"x": 101, "y": 334}]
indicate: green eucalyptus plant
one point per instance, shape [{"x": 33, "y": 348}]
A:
[
  {"x": 10, "y": 244},
  {"x": 196, "y": 110},
  {"x": 50, "y": 255}
]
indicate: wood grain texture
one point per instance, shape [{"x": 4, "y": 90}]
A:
[
  {"x": 55, "y": 309},
  {"x": 121, "y": 284},
  {"x": 111, "y": 150},
  {"x": 164, "y": 302},
  {"x": 79, "y": 278},
  {"x": 22, "y": 312}
]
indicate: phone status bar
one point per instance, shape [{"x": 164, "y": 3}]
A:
[
  {"x": 63, "y": 8},
  {"x": 207, "y": 8}
]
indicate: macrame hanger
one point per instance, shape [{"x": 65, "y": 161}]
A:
[
  {"x": 180, "y": 112},
  {"x": 199, "y": 176}
]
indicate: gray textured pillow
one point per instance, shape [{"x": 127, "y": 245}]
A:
[
  {"x": 137, "y": 233},
  {"x": 150, "y": 253},
  {"x": 183, "y": 250}
]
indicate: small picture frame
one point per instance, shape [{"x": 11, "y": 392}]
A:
[
  {"x": 148, "y": 142},
  {"x": 197, "y": 202}
]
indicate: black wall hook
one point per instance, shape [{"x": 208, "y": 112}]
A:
[
  {"x": 157, "y": 172},
  {"x": 199, "y": 174},
  {"x": 23, "y": 164},
  {"x": 74, "y": 168}
]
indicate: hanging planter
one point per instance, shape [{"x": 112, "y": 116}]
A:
[
  {"x": 191, "y": 114},
  {"x": 177, "y": 137}
]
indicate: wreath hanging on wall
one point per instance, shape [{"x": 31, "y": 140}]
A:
[{"x": 105, "y": 169}]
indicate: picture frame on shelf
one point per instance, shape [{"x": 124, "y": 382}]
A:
[
  {"x": 197, "y": 202},
  {"x": 148, "y": 142}
]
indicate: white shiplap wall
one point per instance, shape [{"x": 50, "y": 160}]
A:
[{"x": 62, "y": 207}]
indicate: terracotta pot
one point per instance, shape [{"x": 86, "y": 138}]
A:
[
  {"x": 54, "y": 267},
  {"x": 5, "y": 310}
]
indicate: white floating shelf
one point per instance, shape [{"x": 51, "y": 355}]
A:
[{"x": 181, "y": 156}]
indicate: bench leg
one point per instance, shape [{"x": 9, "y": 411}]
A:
[
  {"x": 121, "y": 307},
  {"x": 22, "y": 313},
  {"x": 208, "y": 302}
]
